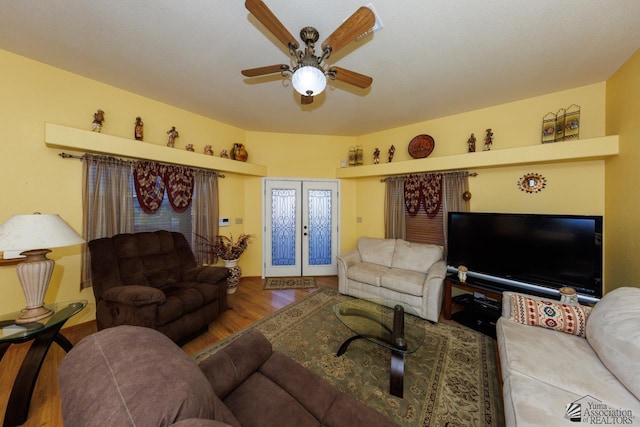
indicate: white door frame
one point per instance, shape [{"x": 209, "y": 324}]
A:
[{"x": 266, "y": 220}]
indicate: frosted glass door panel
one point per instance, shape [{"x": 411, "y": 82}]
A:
[
  {"x": 319, "y": 205},
  {"x": 283, "y": 227},
  {"x": 320, "y": 228},
  {"x": 283, "y": 218}
]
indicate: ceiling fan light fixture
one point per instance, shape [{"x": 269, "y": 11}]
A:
[{"x": 309, "y": 80}]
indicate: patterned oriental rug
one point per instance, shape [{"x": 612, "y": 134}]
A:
[
  {"x": 451, "y": 380},
  {"x": 272, "y": 283}
]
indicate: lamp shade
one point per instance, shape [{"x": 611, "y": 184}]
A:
[
  {"x": 309, "y": 80},
  {"x": 36, "y": 231}
]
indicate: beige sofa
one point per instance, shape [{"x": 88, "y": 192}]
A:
[
  {"x": 397, "y": 270},
  {"x": 551, "y": 376}
]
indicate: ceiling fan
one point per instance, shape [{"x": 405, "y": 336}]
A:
[{"x": 309, "y": 74}]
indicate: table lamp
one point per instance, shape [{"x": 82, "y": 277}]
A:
[{"x": 31, "y": 234}]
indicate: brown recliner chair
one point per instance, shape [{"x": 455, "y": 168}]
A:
[{"x": 151, "y": 279}]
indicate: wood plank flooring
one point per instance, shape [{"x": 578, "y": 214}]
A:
[{"x": 249, "y": 304}]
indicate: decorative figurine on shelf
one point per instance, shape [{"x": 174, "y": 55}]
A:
[
  {"x": 98, "y": 119},
  {"x": 488, "y": 140},
  {"x": 208, "y": 150},
  {"x": 392, "y": 150},
  {"x": 376, "y": 156},
  {"x": 568, "y": 296},
  {"x": 238, "y": 152},
  {"x": 138, "y": 129},
  {"x": 359, "y": 155},
  {"x": 173, "y": 134},
  {"x": 224, "y": 154},
  {"x": 462, "y": 273},
  {"x": 352, "y": 156},
  {"x": 472, "y": 143},
  {"x": 189, "y": 147}
]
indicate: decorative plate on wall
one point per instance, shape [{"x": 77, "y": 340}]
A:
[
  {"x": 532, "y": 183},
  {"x": 421, "y": 146}
]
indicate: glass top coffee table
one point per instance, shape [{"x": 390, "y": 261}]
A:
[{"x": 387, "y": 323}]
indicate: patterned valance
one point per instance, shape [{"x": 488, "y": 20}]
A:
[
  {"x": 179, "y": 182},
  {"x": 150, "y": 179},
  {"x": 423, "y": 190}
]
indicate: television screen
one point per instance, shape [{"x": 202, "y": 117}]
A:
[{"x": 545, "y": 250}]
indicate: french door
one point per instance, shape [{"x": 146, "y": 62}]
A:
[{"x": 301, "y": 227}]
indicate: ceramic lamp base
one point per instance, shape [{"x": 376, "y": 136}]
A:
[
  {"x": 30, "y": 315},
  {"x": 34, "y": 274}
]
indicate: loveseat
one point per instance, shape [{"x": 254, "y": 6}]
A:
[
  {"x": 151, "y": 279},
  {"x": 581, "y": 365},
  {"x": 132, "y": 376},
  {"x": 394, "y": 269}
]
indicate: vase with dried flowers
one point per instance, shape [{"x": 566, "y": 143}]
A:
[{"x": 229, "y": 251}]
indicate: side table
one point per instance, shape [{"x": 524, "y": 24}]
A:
[{"x": 43, "y": 333}]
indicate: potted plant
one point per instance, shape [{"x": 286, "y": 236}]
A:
[{"x": 229, "y": 251}]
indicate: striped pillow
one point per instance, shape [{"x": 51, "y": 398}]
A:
[{"x": 571, "y": 319}]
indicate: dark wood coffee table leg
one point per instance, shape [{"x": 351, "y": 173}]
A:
[
  {"x": 396, "y": 381},
  {"x": 397, "y": 342},
  {"x": 20, "y": 399}
]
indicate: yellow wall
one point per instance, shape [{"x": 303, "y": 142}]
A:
[
  {"x": 36, "y": 179},
  {"x": 622, "y": 202},
  {"x": 573, "y": 188}
]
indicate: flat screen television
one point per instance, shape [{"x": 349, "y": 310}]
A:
[{"x": 535, "y": 253}]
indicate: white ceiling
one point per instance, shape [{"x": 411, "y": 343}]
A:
[{"x": 433, "y": 58}]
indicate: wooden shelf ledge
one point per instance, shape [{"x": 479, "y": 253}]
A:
[
  {"x": 577, "y": 150},
  {"x": 59, "y": 136}
]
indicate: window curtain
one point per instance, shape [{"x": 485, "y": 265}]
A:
[
  {"x": 205, "y": 213},
  {"x": 436, "y": 193},
  {"x": 151, "y": 179},
  {"x": 454, "y": 186},
  {"x": 394, "y": 222},
  {"x": 180, "y": 185},
  {"x": 148, "y": 178},
  {"x": 107, "y": 200},
  {"x": 423, "y": 190}
]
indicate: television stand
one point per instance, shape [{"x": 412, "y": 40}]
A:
[{"x": 475, "y": 315}]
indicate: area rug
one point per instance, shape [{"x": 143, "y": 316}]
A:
[
  {"x": 273, "y": 283},
  {"x": 451, "y": 380}
]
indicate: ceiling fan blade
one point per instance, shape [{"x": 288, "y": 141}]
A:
[
  {"x": 351, "y": 77},
  {"x": 269, "y": 20},
  {"x": 306, "y": 100},
  {"x": 269, "y": 69},
  {"x": 359, "y": 23}
]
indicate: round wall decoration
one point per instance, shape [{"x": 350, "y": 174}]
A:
[
  {"x": 532, "y": 183},
  {"x": 421, "y": 146}
]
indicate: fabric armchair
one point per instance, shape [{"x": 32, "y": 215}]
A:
[
  {"x": 136, "y": 376},
  {"x": 151, "y": 279}
]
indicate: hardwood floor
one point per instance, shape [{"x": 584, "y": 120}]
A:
[{"x": 249, "y": 304}]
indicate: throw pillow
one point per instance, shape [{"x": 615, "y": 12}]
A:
[{"x": 571, "y": 319}]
